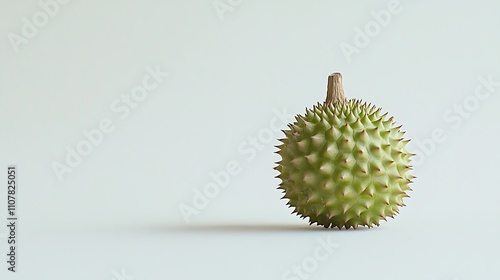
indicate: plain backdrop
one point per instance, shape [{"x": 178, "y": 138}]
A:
[{"x": 232, "y": 65}]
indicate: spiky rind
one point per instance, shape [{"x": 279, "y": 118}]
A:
[{"x": 344, "y": 165}]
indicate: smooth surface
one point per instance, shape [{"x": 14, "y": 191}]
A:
[{"x": 234, "y": 80}]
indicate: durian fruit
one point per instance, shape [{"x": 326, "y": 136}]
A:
[{"x": 344, "y": 163}]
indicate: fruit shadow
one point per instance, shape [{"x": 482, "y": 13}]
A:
[{"x": 257, "y": 228}]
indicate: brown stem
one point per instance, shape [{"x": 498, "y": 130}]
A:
[{"x": 335, "y": 91}]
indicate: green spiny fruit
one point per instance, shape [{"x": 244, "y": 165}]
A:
[{"x": 344, "y": 163}]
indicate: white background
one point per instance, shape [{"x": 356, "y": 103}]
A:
[{"x": 117, "y": 213}]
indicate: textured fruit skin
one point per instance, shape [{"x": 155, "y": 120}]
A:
[{"x": 344, "y": 165}]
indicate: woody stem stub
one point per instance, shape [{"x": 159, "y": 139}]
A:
[{"x": 335, "y": 91}]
